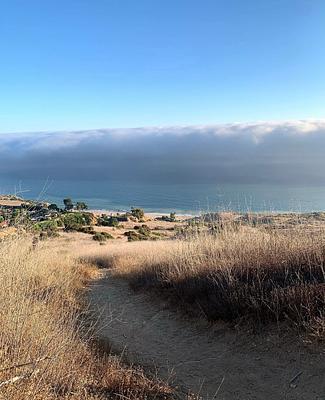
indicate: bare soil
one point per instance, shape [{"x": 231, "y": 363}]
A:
[{"x": 218, "y": 362}]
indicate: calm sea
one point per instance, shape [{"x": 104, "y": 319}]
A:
[{"x": 181, "y": 198}]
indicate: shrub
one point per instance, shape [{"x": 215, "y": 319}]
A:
[
  {"x": 15, "y": 216},
  {"x": 107, "y": 221},
  {"x": 73, "y": 221},
  {"x": 88, "y": 217},
  {"x": 102, "y": 236},
  {"x": 50, "y": 225},
  {"x": 122, "y": 217},
  {"x": 99, "y": 237},
  {"x": 87, "y": 229},
  {"x": 132, "y": 236},
  {"x": 48, "y": 229},
  {"x": 170, "y": 218},
  {"x": 137, "y": 213},
  {"x": 143, "y": 230},
  {"x": 59, "y": 222},
  {"x": 141, "y": 234}
]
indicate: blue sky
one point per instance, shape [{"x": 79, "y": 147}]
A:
[{"x": 124, "y": 63}]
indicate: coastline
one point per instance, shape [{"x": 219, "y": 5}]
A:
[{"x": 148, "y": 214}]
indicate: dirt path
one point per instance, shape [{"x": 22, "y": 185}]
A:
[{"x": 206, "y": 360}]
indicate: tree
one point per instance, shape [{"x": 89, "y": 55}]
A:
[
  {"x": 53, "y": 207},
  {"x": 68, "y": 204},
  {"x": 81, "y": 206}
]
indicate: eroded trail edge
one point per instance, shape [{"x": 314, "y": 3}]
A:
[{"x": 216, "y": 362}]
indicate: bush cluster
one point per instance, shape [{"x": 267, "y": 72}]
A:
[
  {"x": 137, "y": 213},
  {"x": 170, "y": 218},
  {"x": 142, "y": 232},
  {"x": 102, "y": 236},
  {"x": 106, "y": 220},
  {"x": 74, "y": 221}
]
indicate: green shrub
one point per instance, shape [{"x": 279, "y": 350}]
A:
[
  {"x": 143, "y": 230},
  {"x": 132, "y": 236},
  {"x": 107, "y": 235},
  {"x": 122, "y": 217},
  {"x": 170, "y": 218},
  {"x": 137, "y": 213},
  {"x": 47, "y": 229},
  {"x": 74, "y": 221},
  {"x": 87, "y": 217},
  {"x": 136, "y": 236},
  {"x": 60, "y": 222},
  {"x": 102, "y": 236},
  {"x": 87, "y": 229},
  {"x": 44, "y": 226},
  {"x": 107, "y": 221},
  {"x": 15, "y": 216},
  {"x": 99, "y": 237}
]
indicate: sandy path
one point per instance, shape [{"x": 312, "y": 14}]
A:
[{"x": 203, "y": 359}]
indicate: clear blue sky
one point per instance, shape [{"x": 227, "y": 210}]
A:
[{"x": 79, "y": 64}]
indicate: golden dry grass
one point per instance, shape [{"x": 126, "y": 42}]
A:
[
  {"x": 238, "y": 275},
  {"x": 45, "y": 350},
  {"x": 10, "y": 202}
]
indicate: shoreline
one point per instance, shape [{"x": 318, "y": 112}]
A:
[
  {"x": 149, "y": 214},
  {"x": 155, "y": 214}
]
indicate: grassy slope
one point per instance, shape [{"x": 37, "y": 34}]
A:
[
  {"x": 42, "y": 326},
  {"x": 243, "y": 274}
]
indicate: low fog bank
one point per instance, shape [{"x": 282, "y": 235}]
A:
[{"x": 288, "y": 152}]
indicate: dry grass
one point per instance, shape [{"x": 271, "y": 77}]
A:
[
  {"x": 44, "y": 340},
  {"x": 10, "y": 203},
  {"x": 238, "y": 275}
]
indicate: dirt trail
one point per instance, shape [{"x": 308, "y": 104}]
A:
[{"x": 206, "y": 360}]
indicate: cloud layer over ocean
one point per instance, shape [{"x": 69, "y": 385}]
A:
[{"x": 265, "y": 152}]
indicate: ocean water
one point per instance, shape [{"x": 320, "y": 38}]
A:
[{"x": 181, "y": 198}]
